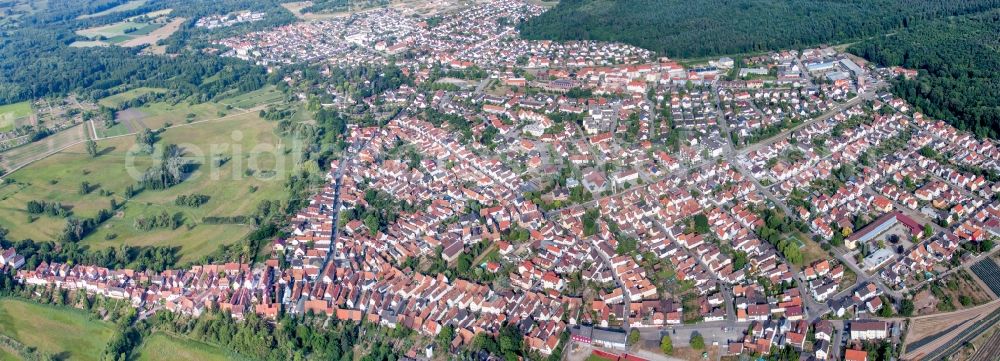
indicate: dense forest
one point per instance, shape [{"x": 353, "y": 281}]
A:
[
  {"x": 713, "y": 27},
  {"x": 36, "y": 59},
  {"x": 959, "y": 69}
]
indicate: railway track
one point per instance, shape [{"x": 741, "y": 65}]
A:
[
  {"x": 964, "y": 337},
  {"x": 990, "y": 350}
]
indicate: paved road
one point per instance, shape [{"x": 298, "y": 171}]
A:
[{"x": 868, "y": 95}]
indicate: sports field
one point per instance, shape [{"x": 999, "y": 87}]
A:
[
  {"x": 65, "y": 332},
  {"x": 12, "y": 114}
]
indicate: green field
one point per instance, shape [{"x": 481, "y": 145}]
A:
[
  {"x": 116, "y": 33},
  {"x": 266, "y": 95},
  {"x": 10, "y": 114},
  {"x": 8, "y": 356},
  {"x": 30, "y": 152},
  {"x": 68, "y": 333},
  {"x": 123, "y": 7},
  {"x": 162, "y": 347},
  {"x": 109, "y": 31},
  {"x": 115, "y": 100},
  {"x": 58, "y": 178}
]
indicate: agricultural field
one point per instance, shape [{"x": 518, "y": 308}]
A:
[
  {"x": 22, "y": 155},
  {"x": 67, "y": 333},
  {"x": 989, "y": 273},
  {"x": 163, "y": 347},
  {"x": 134, "y": 31},
  {"x": 232, "y": 188}
]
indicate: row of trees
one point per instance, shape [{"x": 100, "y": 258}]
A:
[
  {"x": 163, "y": 220},
  {"x": 192, "y": 200},
  {"x": 52, "y": 209}
]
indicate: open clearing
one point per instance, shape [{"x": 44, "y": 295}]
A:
[
  {"x": 123, "y": 7},
  {"x": 111, "y": 30},
  {"x": 116, "y": 100},
  {"x": 155, "y": 35},
  {"x": 163, "y": 347},
  {"x": 266, "y": 95},
  {"x": 11, "y": 114},
  {"x": 58, "y": 178},
  {"x": 949, "y": 293},
  {"x": 25, "y": 154},
  {"x": 65, "y": 332},
  {"x": 144, "y": 29}
]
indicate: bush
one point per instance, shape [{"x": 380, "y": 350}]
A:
[
  {"x": 697, "y": 341},
  {"x": 666, "y": 345}
]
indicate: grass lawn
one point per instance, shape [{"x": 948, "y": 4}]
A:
[
  {"x": 117, "y": 39},
  {"x": 65, "y": 332},
  {"x": 811, "y": 251},
  {"x": 10, "y": 113},
  {"x": 145, "y": 30},
  {"x": 8, "y": 356},
  {"x": 163, "y": 347},
  {"x": 58, "y": 178},
  {"x": 157, "y": 115},
  {"x": 116, "y": 130}
]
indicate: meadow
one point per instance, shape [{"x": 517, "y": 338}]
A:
[
  {"x": 163, "y": 347},
  {"x": 116, "y": 100},
  {"x": 235, "y": 187},
  {"x": 67, "y": 333},
  {"x": 266, "y": 95},
  {"x": 134, "y": 31}
]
